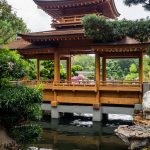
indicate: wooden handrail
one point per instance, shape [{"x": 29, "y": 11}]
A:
[
  {"x": 80, "y": 83},
  {"x": 120, "y": 83}
]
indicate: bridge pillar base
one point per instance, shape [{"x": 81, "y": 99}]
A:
[
  {"x": 97, "y": 115},
  {"x": 54, "y": 113}
]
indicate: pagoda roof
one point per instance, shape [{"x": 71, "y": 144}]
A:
[
  {"x": 70, "y": 34},
  {"x": 22, "y": 43},
  {"x": 60, "y": 8},
  {"x": 65, "y": 3},
  {"x": 54, "y": 35}
]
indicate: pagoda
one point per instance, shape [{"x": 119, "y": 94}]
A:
[{"x": 67, "y": 39}]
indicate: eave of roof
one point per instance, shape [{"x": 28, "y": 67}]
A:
[
  {"x": 114, "y": 8},
  {"x": 21, "y": 44},
  {"x": 54, "y": 8},
  {"x": 54, "y": 35},
  {"x": 65, "y": 3}
]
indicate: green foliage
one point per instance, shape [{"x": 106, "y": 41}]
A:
[
  {"x": 145, "y": 3},
  {"x": 133, "y": 68},
  {"x": 86, "y": 61},
  {"x": 148, "y": 51},
  {"x": 139, "y": 30},
  {"x": 10, "y": 24},
  {"x": 102, "y": 30},
  {"x": 63, "y": 74},
  {"x": 76, "y": 68},
  {"x": 114, "y": 71},
  {"x": 133, "y": 75},
  {"x": 19, "y": 105},
  {"x": 47, "y": 71},
  {"x": 146, "y": 69},
  {"x": 11, "y": 66},
  {"x": 26, "y": 134},
  {"x": 97, "y": 27},
  {"x": 116, "y": 68},
  {"x": 31, "y": 69}
]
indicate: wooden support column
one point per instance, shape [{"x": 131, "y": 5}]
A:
[
  {"x": 56, "y": 67},
  {"x": 97, "y": 68},
  {"x": 141, "y": 68},
  {"x": 38, "y": 69},
  {"x": 54, "y": 103},
  {"x": 104, "y": 69},
  {"x": 96, "y": 106},
  {"x": 141, "y": 75},
  {"x": 69, "y": 69}
]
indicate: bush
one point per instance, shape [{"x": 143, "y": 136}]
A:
[
  {"x": 19, "y": 104},
  {"x": 26, "y": 134}
]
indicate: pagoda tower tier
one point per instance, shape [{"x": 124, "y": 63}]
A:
[{"x": 68, "y": 13}]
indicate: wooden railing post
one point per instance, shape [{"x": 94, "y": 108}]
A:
[
  {"x": 97, "y": 78},
  {"x": 97, "y": 69},
  {"x": 141, "y": 68}
]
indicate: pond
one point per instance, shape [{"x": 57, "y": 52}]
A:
[{"x": 79, "y": 133}]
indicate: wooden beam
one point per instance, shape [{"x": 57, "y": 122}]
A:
[
  {"x": 56, "y": 67},
  {"x": 69, "y": 69},
  {"x": 115, "y": 55},
  {"x": 38, "y": 69},
  {"x": 104, "y": 69},
  {"x": 97, "y": 69},
  {"x": 141, "y": 68}
]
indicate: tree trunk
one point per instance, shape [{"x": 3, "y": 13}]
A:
[{"x": 5, "y": 140}]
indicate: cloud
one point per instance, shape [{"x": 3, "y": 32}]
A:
[{"x": 38, "y": 20}]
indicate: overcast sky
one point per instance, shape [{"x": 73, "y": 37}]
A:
[{"x": 37, "y": 20}]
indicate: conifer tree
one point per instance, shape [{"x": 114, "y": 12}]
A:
[{"x": 144, "y": 3}]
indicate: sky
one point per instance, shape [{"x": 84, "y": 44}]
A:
[{"x": 38, "y": 20}]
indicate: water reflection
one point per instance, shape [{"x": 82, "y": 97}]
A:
[{"x": 78, "y": 134}]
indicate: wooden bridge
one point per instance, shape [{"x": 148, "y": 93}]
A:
[{"x": 89, "y": 92}]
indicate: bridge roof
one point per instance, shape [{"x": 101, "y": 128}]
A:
[
  {"x": 68, "y": 34},
  {"x": 30, "y": 41}
]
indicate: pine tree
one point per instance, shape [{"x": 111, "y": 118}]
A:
[{"x": 145, "y": 3}]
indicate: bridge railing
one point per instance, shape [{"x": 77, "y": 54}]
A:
[
  {"x": 33, "y": 82},
  {"x": 120, "y": 83},
  {"x": 81, "y": 83},
  {"x": 76, "y": 83}
]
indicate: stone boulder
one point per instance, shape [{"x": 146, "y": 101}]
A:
[
  {"x": 135, "y": 137},
  {"x": 146, "y": 105}
]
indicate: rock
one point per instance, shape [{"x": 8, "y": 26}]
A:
[
  {"x": 146, "y": 105},
  {"x": 139, "y": 120},
  {"x": 137, "y": 136}
]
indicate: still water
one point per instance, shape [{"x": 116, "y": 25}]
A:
[{"x": 79, "y": 133}]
